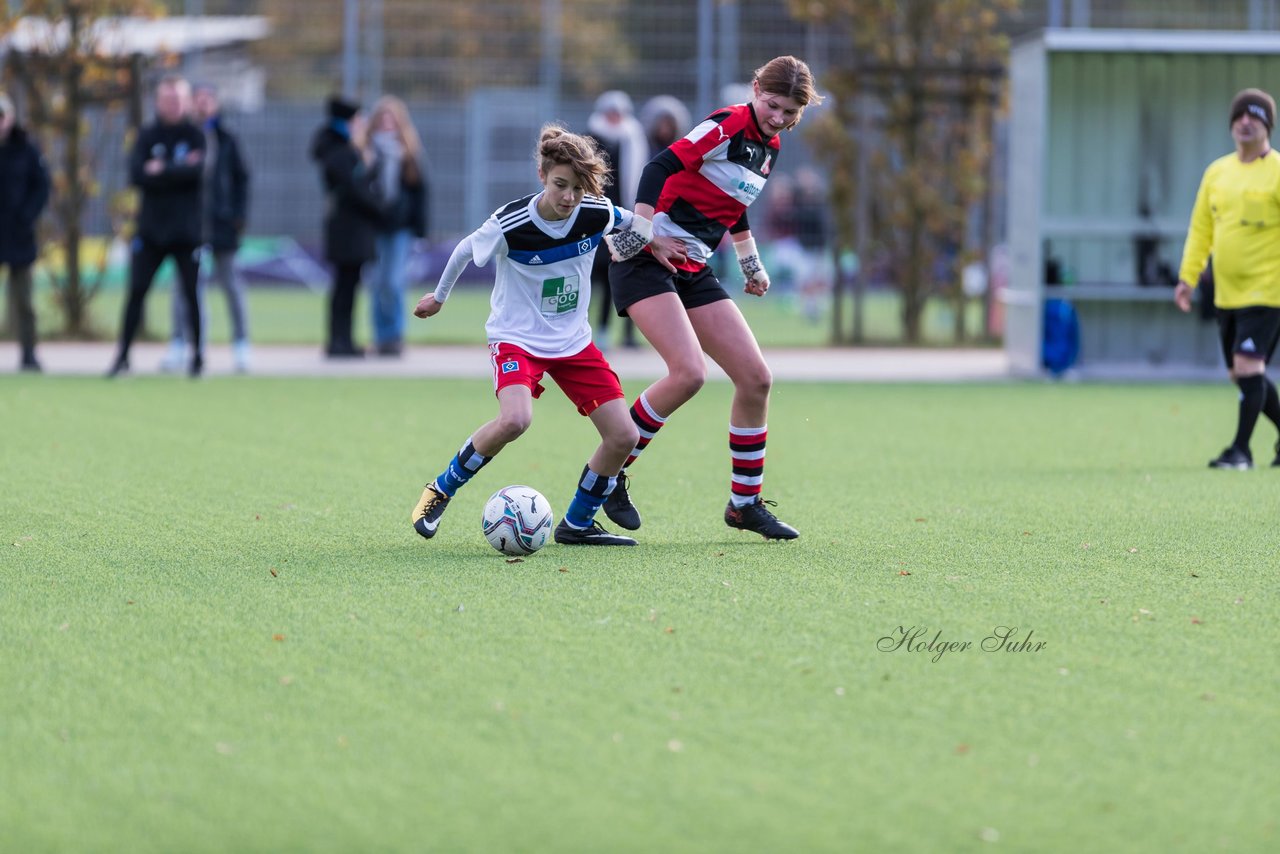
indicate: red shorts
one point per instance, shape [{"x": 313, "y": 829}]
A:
[{"x": 584, "y": 377}]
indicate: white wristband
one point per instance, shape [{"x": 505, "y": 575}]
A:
[
  {"x": 643, "y": 227},
  {"x": 749, "y": 261},
  {"x": 627, "y": 244}
]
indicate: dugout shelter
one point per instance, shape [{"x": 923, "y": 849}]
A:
[{"x": 1110, "y": 131}]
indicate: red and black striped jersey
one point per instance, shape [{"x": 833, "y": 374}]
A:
[{"x": 726, "y": 161}]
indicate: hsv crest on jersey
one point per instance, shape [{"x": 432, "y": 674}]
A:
[{"x": 508, "y": 367}]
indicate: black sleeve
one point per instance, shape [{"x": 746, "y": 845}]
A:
[
  {"x": 239, "y": 184},
  {"x": 138, "y": 158},
  {"x": 37, "y": 188},
  {"x": 655, "y": 174},
  {"x": 741, "y": 225}
]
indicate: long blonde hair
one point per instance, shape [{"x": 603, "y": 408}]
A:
[
  {"x": 405, "y": 132},
  {"x": 558, "y": 147}
]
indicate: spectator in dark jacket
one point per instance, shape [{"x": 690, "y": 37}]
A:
[
  {"x": 352, "y": 216},
  {"x": 24, "y": 191},
  {"x": 402, "y": 187},
  {"x": 167, "y": 165},
  {"x": 226, "y": 207}
]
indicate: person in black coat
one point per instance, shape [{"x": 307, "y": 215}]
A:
[
  {"x": 226, "y": 209},
  {"x": 352, "y": 216},
  {"x": 24, "y": 191},
  {"x": 167, "y": 165}
]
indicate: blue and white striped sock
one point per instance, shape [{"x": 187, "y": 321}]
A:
[
  {"x": 461, "y": 468},
  {"x": 592, "y": 490}
]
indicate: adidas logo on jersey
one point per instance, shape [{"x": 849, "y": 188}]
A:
[
  {"x": 1248, "y": 346},
  {"x": 535, "y": 260}
]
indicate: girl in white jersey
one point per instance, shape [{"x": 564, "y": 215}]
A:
[{"x": 542, "y": 247}]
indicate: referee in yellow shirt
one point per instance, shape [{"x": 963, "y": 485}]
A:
[{"x": 1237, "y": 218}]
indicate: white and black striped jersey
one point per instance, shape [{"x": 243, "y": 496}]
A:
[{"x": 542, "y": 284}]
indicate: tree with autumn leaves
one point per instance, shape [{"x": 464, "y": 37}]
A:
[
  {"x": 63, "y": 70},
  {"x": 923, "y": 78}
]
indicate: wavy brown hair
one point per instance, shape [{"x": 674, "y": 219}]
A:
[
  {"x": 788, "y": 77},
  {"x": 559, "y": 147}
]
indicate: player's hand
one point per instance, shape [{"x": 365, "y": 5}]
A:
[
  {"x": 669, "y": 251},
  {"x": 428, "y": 306},
  {"x": 1182, "y": 296},
  {"x": 757, "y": 280},
  {"x": 758, "y": 285}
]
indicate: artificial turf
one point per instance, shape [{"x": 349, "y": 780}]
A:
[{"x": 220, "y": 632}]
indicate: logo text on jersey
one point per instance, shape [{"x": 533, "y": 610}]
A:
[{"x": 559, "y": 295}]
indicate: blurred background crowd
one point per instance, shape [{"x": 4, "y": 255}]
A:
[{"x": 895, "y": 184}]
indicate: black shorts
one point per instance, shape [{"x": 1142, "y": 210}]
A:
[
  {"x": 1250, "y": 331},
  {"x": 643, "y": 276}
]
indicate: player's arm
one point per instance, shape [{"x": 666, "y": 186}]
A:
[
  {"x": 627, "y": 244},
  {"x": 1195, "y": 252},
  {"x": 462, "y": 255},
  {"x": 669, "y": 251},
  {"x": 744, "y": 246}
]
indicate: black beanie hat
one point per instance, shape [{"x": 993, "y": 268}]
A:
[
  {"x": 1257, "y": 103},
  {"x": 340, "y": 108}
]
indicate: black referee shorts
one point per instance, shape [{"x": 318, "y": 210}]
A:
[
  {"x": 1250, "y": 331},
  {"x": 643, "y": 276}
]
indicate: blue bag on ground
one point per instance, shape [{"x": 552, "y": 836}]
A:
[{"x": 1061, "y": 336}]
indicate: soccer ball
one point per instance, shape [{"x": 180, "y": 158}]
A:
[{"x": 517, "y": 520}]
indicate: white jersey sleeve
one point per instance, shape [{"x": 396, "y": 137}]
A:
[
  {"x": 621, "y": 219},
  {"x": 478, "y": 248}
]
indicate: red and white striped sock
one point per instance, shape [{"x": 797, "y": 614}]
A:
[
  {"x": 746, "y": 450},
  {"x": 649, "y": 423}
]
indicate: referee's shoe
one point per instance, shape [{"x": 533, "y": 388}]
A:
[{"x": 1232, "y": 458}]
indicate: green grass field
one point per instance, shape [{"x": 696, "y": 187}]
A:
[
  {"x": 297, "y": 316},
  {"x": 220, "y": 633}
]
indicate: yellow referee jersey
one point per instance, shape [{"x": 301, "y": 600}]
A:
[{"x": 1237, "y": 218}]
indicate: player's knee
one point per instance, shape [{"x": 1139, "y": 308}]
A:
[
  {"x": 512, "y": 425},
  {"x": 756, "y": 382},
  {"x": 622, "y": 439},
  {"x": 689, "y": 379}
]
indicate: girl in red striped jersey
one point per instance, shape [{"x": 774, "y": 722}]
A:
[{"x": 696, "y": 190}]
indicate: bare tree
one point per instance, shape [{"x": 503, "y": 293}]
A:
[
  {"x": 65, "y": 71},
  {"x": 933, "y": 69}
]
